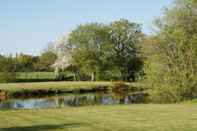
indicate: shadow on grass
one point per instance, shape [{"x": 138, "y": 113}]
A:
[{"x": 42, "y": 127}]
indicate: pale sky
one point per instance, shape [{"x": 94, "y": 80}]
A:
[{"x": 28, "y": 25}]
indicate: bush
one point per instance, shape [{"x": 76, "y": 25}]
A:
[{"x": 6, "y": 77}]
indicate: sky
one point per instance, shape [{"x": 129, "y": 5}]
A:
[{"x": 28, "y": 25}]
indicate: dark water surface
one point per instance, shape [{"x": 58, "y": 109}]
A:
[{"x": 72, "y": 100}]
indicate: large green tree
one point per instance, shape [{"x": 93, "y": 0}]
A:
[
  {"x": 172, "y": 66},
  {"x": 126, "y": 38},
  {"x": 88, "y": 47},
  {"x": 107, "y": 51}
]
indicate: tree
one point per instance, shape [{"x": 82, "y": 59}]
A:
[
  {"x": 46, "y": 60},
  {"x": 63, "y": 62},
  {"x": 105, "y": 51},
  {"x": 87, "y": 45},
  {"x": 7, "y": 70},
  {"x": 125, "y": 38},
  {"x": 25, "y": 63},
  {"x": 171, "y": 69}
]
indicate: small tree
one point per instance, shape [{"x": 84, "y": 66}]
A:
[
  {"x": 46, "y": 60},
  {"x": 7, "y": 70}
]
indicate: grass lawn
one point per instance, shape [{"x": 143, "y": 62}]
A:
[
  {"x": 166, "y": 117},
  {"x": 36, "y": 75},
  {"x": 64, "y": 86},
  {"x": 67, "y": 86}
]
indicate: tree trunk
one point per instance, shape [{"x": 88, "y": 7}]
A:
[
  {"x": 75, "y": 78},
  {"x": 93, "y": 76}
]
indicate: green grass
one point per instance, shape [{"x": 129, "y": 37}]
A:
[
  {"x": 169, "y": 117},
  {"x": 61, "y": 86},
  {"x": 66, "y": 86},
  {"x": 36, "y": 75}
]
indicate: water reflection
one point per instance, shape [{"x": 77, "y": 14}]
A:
[{"x": 73, "y": 100}]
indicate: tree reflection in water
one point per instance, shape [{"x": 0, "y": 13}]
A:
[{"x": 73, "y": 100}]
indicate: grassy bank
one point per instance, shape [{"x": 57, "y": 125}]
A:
[
  {"x": 173, "y": 117},
  {"x": 59, "y": 86},
  {"x": 12, "y": 88}
]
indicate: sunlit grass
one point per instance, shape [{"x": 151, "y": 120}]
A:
[
  {"x": 13, "y": 87},
  {"x": 64, "y": 86},
  {"x": 172, "y": 117},
  {"x": 36, "y": 75}
]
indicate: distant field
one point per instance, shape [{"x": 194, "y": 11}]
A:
[
  {"x": 150, "y": 117},
  {"x": 41, "y": 77},
  {"x": 36, "y": 75}
]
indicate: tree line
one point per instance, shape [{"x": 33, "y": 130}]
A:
[
  {"x": 10, "y": 64},
  {"x": 107, "y": 52},
  {"x": 171, "y": 54}
]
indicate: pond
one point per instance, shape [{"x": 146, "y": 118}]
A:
[{"x": 73, "y": 100}]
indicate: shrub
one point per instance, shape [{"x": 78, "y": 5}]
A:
[{"x": 6, "y": 77}]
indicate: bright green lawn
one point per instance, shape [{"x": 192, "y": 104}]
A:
[
  {"x": 174, "y": 117},
  {"x": 13, "y": 87},
  {"x": 65, "y": 86},
  {"x": 36, "y": 75}
]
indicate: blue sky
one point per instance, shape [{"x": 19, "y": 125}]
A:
[{"x": 28, "y": 25}]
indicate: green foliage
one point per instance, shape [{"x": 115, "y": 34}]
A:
[
  {"x": 171, "y": 68},
  {"x": 7, "y": 69},
  {"x": 100, "y": 50},
  {"x": 88, "y": 43},
  {"x": 125, "y": 38},
  {"x": 25, "y": 62},
  {"x": 6, "y": 77},
  {"x": 28, "y": 63},
  {"x": 46, "y": 60}
]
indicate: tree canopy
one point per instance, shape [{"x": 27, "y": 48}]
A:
[
  {"x": 100, "y": 50},
  {"x": 171, "y": 69}
]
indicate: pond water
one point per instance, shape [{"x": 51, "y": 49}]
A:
[{"x": 72, "y": 100}]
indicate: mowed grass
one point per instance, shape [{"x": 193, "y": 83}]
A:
[
  {"x": 144, "y": 117},
  {"x": 67, "y": 86},
  {"x": 36, "y": 75},
  {"x": 62, "y": 86}
]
